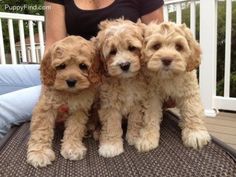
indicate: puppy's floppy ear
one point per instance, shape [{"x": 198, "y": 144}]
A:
[
  {"x": 142, "y": 28},
  {"x": 195, "y": 57},
  {"x": 94, "y": 73},
  {"x": 99, "y": 64},
  {"x": 48, "y": 73},
  {"x": 143, "y": 57}
]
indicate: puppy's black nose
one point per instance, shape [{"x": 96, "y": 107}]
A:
[
  {"x": 71, "y": 82},
  {"x": 125, "y": 66},
  {"x": 166, "y": 61}
]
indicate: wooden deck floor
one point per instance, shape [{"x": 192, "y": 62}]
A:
[{"x": 223, "y": 127}]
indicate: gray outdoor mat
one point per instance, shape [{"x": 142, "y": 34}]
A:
[{"x": 170, "y": 159}]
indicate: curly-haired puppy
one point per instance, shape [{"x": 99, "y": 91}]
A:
[
  {"x": 171, "y": 54},
  {"x": 68, "y": 77},
  {"x": 123, "y": 88}
]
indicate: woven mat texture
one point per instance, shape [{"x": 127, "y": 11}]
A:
[{"x": 170, "y": 159}]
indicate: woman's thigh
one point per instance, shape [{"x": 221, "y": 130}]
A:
[
  {"x": 17, "y": 107},
  {"x": 16, "y": 77}
]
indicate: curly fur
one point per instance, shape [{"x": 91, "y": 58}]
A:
[
  {"x": 122, "y": 92},
  {"x": 61, "y": 63},
  {"x": 171, "y": 54}
]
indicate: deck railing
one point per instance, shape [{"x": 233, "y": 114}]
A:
[
  {"x": 208, "y": 74},
  {"x": 23, "y": 20},
  {"x": 177, "y": 6},
  {"x": 208, "y": 41}
]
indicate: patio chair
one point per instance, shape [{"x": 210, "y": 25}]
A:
[{"x": 170, "y": 159}]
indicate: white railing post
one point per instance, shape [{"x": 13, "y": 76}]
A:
[
  {"x": 166, "y": 13},
  {"x": 12, "y": 41},
  {"x": 208, "y": 40},
  {"x": 32, "y": 41},
  {"x": 2, "y": 50},
  {"x": 193, "y": 17},
  {"x": 228, "y": 28},
  {"x": 22, "y": 41},
  {"x": 41, "y": 38},
  {"x": 179, "y": 13}
]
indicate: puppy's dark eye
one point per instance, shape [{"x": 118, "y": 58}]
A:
[
  {"x": 61, "y": 66},
  {"x": 156, "y": 46},
  {"x": 132, "y": 48},
  {"x": 179, "y": 47},
  {"x": 83, "y": 66},
  {"x": 113, "y": 52}
]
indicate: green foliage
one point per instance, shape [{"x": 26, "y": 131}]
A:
[
  {"x": 221, "y": 49},
  {"x": 220, "y": 86},
  {"x": 221, "y": 40}
]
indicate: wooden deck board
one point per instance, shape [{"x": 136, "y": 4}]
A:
[
  {"x": 223, "y": 127},
  {"x": 220, "y": 122},
  {"x": 227, "y": 116},
  {"x": 229, "y": 139},
  {"x": 233, "y": 146}
]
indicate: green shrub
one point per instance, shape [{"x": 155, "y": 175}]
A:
[{"x": 220, "y": 86}]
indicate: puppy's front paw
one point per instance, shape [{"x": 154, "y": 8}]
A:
[
  {"x": 195, "y": 138},
  {"x": 131, "y": 139},
  {"x": 41, "y": 158},
  {"x": 73, "y": 151},
  {"x": 147, "y": 141},
  {"x": 111, "y": 149}
]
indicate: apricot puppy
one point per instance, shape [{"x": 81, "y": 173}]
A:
[
  {"x": 171, "y": 55},
  {"x": 68, "y": 77},
  {"x": 123, "y": 90}
]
